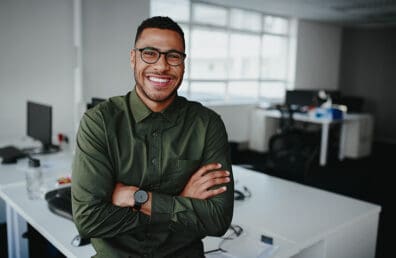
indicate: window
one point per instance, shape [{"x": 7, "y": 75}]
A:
[
  {"x": 232, "y": 54},
  {"x": 208, "y": 55}
]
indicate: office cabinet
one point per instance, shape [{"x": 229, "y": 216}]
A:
[
  {"x": 262, "y": 128},
  {"x": 358, "y": 135}
]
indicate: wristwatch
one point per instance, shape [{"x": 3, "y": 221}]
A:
[{"x": 140, "y": 197}]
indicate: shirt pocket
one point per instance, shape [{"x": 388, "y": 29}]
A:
[{"x": 174, "y": 180}]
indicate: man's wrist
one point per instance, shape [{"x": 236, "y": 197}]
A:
[{"x": 140, "y": 197}]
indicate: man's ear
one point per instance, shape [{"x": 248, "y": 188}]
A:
[{"x": 133, "y": 58}]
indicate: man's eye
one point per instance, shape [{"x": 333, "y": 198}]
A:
[
  {"x": 174, "y": 55},
  {"x": 150, "y": 53}
]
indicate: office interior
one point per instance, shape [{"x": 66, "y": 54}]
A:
[{"x": 64, "y": 53}]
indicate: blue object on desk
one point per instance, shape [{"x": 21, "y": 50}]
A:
[{"x": 329, "y": 113}]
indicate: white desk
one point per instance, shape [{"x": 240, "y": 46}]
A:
[
  {"x": 53, "y": 166},
  {"x": 268, "y": 129},
  {"x": 320, "y": 224},
  {"x": 304, "y": 221},
  {"x": 57, "y": 230}
]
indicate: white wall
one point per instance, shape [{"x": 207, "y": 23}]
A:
[
  {"x": 38, "y": 57},
  {"x": 108, "y": 36},
  {"x": 36, "y": 63},
  {"x": 318, "y": 56}
]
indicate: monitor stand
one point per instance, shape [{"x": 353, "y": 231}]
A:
[{"x": 44, "y": 149}]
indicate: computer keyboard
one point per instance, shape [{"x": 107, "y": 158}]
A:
[{"x": 10, "y": 154}]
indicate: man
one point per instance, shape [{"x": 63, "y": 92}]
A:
[{"x": 152, "y": 172}]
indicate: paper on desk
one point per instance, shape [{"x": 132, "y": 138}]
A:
[
  {"x": 266, "y": 252},
  {"x": 245, "y": 246},
  {"x": 252, "y": 250}
]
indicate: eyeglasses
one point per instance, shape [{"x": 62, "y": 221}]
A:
[{"x": 151, "y": 55}]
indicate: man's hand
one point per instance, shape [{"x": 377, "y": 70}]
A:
[
  {"x": 123, "y": 195},
  {"x": 200, "y": 184}
]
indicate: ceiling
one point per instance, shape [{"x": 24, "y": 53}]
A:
[{"x": 341, "y": 12}]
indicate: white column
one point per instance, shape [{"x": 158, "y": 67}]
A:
[{"x": 78, "y": 78}]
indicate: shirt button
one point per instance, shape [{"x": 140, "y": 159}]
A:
[
  {"x": 155, "y": 133},
  {"x": 153, "y": 161}
]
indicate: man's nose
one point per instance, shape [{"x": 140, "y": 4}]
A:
[{"x": 162, "y": 64}]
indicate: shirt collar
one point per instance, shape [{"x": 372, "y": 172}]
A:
[{"x": 140, "y": 111}]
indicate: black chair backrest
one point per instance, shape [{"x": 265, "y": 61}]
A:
[
  {"x": 94, "y": 102},
  {"x": 292, "y": 150}
]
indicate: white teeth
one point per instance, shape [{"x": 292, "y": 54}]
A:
[{"x": 155, "y": 79}]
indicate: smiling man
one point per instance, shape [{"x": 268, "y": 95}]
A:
[{"x": 152, "y": 172}]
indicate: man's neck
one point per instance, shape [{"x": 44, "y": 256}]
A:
[{"x": 155, "y": 106}]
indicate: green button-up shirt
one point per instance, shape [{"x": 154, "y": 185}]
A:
[{"x": 122, "y": 140}]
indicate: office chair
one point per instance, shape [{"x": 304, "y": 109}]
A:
[{"x": 292, "y": 151}]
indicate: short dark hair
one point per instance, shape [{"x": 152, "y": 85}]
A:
[{"x": 160, "y": 22}]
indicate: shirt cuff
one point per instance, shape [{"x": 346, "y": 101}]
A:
[{"x": 161, "y": 208}]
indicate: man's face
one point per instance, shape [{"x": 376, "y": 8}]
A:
[{"x": 156, "y": 84}]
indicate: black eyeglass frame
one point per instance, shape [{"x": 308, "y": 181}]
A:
[{"x": 161, "y": 53}]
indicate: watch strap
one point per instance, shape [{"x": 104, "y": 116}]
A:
[{"x": 137, "y": 206}]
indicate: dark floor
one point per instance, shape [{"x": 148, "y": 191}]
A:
[{"x": 366, "y": 179}]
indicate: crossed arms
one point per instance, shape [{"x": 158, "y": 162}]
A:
[{"x": 102, "y": 206}]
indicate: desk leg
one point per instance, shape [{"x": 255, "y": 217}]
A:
[
  {"x": 323, "y": 144},
  {"x": 341, "y": 151},
  {"x": 16, "y": 226}
]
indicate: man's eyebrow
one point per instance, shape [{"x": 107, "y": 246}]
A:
[
  {"x": 148, "y": 47},
  {"x": 154, "y": 48}
]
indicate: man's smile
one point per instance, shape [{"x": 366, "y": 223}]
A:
[{"x": 159, "y": 80}]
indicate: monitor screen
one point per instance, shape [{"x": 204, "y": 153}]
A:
[
  {"x": 300, "y": 98},
  {"x": 39, "y": 123},
  {"x": 305, "y": 98}
]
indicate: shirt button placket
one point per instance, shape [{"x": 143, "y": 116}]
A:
[
  {"x": 154, "y": 160},
  {"x": 155, "y": 133}
]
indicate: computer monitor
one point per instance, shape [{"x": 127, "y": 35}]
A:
[
  {"x": 39, "y": 126},
  {"x": 305, "y": 98},
  {"x": 300, "y": 98}
]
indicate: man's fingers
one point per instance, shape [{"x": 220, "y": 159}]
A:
[
  {"x": 207, "y": 167},
  {"x": 214, "y": 182},
  {"x": 213, "y": 175},
  {"x": 210, "y": 193}
]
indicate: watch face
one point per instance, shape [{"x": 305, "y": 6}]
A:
[{"x": 141, "y": 196}]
